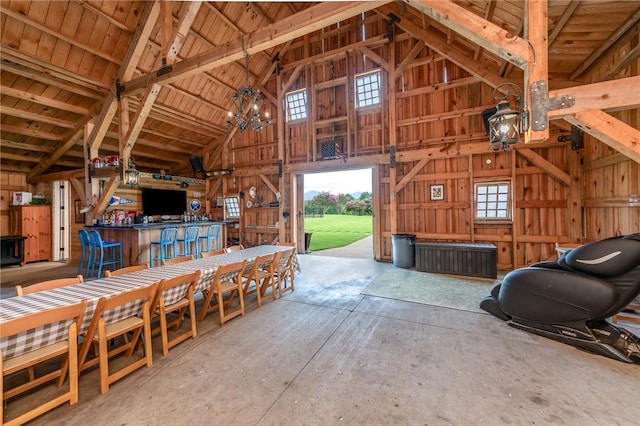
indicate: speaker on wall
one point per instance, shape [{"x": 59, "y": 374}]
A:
[
  {"x": 486, "y": 115},
  {"x": 196, "y": 163}
]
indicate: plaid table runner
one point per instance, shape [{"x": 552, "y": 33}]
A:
[{"x": 92, "y": 291}]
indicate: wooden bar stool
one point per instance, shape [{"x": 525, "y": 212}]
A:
[{"x": 167, "y": 242}]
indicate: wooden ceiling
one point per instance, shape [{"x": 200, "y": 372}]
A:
[{"x": 60, "y": 61}]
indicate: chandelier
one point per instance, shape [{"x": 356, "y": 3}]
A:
[{"x": 247, "y": 102}]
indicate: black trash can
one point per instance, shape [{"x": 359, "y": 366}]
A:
[{"x": 404, "y": 250}]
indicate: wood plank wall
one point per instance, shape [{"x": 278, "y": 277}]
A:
[{"x": 559, "y": 195}]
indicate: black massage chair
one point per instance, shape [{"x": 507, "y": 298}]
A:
[{"x": 570, "y": 300}]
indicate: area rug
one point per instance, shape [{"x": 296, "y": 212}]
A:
[{"x": 449, "y": 291}]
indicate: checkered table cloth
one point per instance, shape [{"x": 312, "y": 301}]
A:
[{"x": 92, "y": 291}]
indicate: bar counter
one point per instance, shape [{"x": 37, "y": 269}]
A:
[{"x": 136, "y": 238}]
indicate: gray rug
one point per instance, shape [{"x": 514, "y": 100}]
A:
[{"x": 449, "y": 291}]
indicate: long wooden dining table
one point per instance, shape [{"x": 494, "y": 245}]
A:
[{"x": 92, "y": 291}]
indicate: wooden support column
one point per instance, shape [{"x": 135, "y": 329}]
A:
[
  {"x": 393, "y": 175},
  {"x": 574, "y": 198},
  {"x": 92, "y": 188},
  {"x": 282, "y": 158},
  {"x": 537, "y": 69},
  {"x": 515, "y": 222}
]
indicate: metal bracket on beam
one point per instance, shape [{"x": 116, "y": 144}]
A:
[
  {"x": 392, "y": 157},
  {"x": 541, "y": 105},
  {"x": 119, "y": 89},
  {"x": 164, "y": 69}
]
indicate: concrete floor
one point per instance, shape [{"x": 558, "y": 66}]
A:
[{"x": 327, "y": 355}]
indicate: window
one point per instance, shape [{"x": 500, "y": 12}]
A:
[
  {"x": 297, "y": 105},
  {"x": 493, "y": 200},
  {"x": 232, "y": 207},
  {"x": 368, "y": 89}
]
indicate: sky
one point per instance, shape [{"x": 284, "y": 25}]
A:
[{"x": 346, "y": 182}]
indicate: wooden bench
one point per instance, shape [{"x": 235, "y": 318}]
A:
[{"x": 475, "y": 260}]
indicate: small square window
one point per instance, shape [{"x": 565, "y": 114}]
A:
[
  {"x": 232, "y": 207},
  {"x": 368, "y": 89},
  {"x": 297, "y": 105},
  {"x": 493, "y": 201}
]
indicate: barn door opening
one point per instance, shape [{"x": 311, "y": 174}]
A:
[{"x": 338, "y": 208}]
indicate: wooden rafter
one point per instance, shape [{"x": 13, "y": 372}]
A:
[
  {"x": 483, "y": 71},
  {"x": 307, "y": 21},
  {"x": 480, "y": 31},
  {"x": 608, "y": 129},
  {"x": 545, "y": 165}
]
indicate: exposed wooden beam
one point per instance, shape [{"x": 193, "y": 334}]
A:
[
  {"x": 33, "y": 133},
  {"x": 546, "y": 166},
  {"x": 484, "y": 71},
  {"x": 151, "y": 94},
  {"x": 140, "y": 117},
  {"x": 32, "y": 116},
  {"x": 566, "y": 14},
  {"x": 610, "y": 95},
  {"x": 43, "y": 100},
  {"x": 409, "y": 58},
  {"x": 18, "y": 57},
  {"x": 414, "y": 171},
  {"x": 51, "y": 80},
  {"x": 473, "y": 27},
  {"x": 613, "y": 132},
  {"x": 134, "y": 52},
  {"x": 307, "y": 21},
  {"x": 4, "y": 143},
  {"x": 181, "y": 31},
  {"x": 488, "y": 14},
  {"x": 59, "y": 152}
]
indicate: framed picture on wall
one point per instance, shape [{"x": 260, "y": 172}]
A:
[
  {"x": 436, "y": 192},
  {"x": 77, "y": 204}
]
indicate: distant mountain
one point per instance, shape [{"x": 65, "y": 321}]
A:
[
  {"x": 356, "y": 195},
  {"x": 310, "y": 194}
]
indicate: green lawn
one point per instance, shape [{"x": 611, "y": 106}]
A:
[{"x": 335, "y": 230}]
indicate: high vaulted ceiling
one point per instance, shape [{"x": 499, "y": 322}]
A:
[{"x": 61, "y": 60}]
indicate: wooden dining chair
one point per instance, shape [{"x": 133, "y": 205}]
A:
[
  {"x": 175, "y": 296},
  {"x": 48, "y": 285},
  {"x": 66, "y": 316},
  {"x": 124, "y": 315},
  {"x": 261, "y": 275},
  {"x": 285, "y": 243},
  {"x": 284, "y": 271},
  {"x": 126, "y": 270},
  {"x": 237, "y": 247},
  {"x": 212, "y": 253},
  {"x": 227, "y": 280},
  {"x": 176, "y": 260}
]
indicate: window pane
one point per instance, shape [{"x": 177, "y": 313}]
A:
[
  {"x": 492, "y": 200},
  {"x": 368, "y": 89}
]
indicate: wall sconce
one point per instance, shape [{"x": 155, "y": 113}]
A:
[
  {"x": 131, "y": 175},
  {"x": 506, "y": 124}
]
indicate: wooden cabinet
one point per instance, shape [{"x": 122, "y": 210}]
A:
[{"x": 33, "y": 222}]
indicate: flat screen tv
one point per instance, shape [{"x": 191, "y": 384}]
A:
[{"x": 158, "y": 202}]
